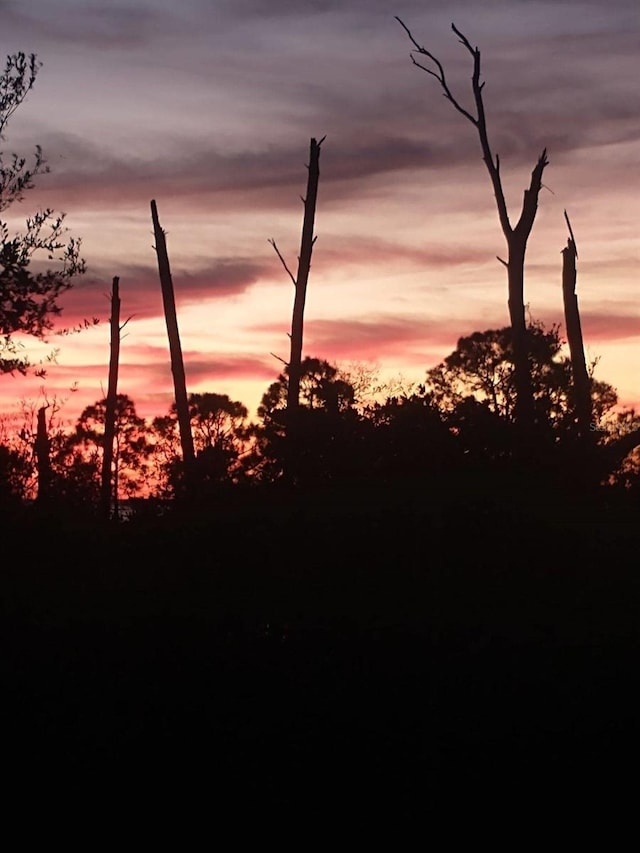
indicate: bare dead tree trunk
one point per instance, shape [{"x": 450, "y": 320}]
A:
[
  {"x": 304, "y": 265},
  {"x": 607, "y": 458},
  {"x": 43, "y": 460},
  {"x": 175, "y": 348},
  {"x": 300, "y": 282},
  {"x": 107, "y": 492},
  {"x": 581, "y": 380},
  {"x": 515, "y": 236}
]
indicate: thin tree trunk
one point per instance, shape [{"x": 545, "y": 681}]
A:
[
  {"x": 301, "y": 281},
  {"x": 581, "y": 380},
  {"x": 177, "y": 362},
  {"x": 517, "y": 237},
  {"x": 107, "y": 492},
  {"x": 43, "y": 461},
  {"x": 524, "y": 408}
]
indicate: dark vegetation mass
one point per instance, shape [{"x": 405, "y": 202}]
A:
[{"x": 367, "y": 596}]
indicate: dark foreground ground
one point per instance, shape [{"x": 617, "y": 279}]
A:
[{"x": 321, "y": 655}]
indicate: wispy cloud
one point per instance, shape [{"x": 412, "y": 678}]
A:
[{"x": 209, "y": 107}]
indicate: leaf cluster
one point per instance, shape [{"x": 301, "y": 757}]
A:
[{"x": 28, "y": 299}]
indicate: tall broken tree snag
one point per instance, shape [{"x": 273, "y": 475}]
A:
[
  {"x": 516, "y": 235},
  {"x": 609, "y": 456},
  {"x": 581, "y": 378},
  {"x": 300, "y": 281},
  {"x": 175, "y": 348},
  {"x": 109, "y": 494}
]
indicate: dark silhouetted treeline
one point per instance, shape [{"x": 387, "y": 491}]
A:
[
  {"x": 361, "y": 603},
  {"x": 415, "y": 616}
]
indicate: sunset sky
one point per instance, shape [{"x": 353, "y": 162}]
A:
[{"x": 208, "y": 106}]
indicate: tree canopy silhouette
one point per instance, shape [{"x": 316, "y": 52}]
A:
[
  {"x": 475, "y": 390},
  {"x": 83, "y": 450},
  {"x": 325, "y": 415},
  {"x": 28, "y": 299},
  {"x": 218, "y": 426},
  {"x": 483, "y": 366}
]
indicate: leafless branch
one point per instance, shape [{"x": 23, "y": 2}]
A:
[
  {"x": 478, "y": 121},
  {"x": 530, "y": 200},
  {"x": 464, "y": 40},
  {"x": 439, "y": 74},
  {"x": 283, "y": 262}
]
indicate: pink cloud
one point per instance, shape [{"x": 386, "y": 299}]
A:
[{"x": 610, "y": 327}]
